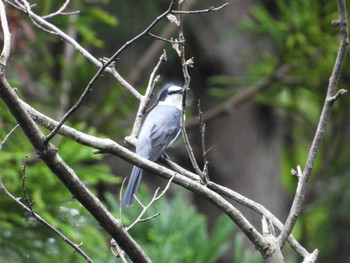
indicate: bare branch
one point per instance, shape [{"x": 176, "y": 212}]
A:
[
  {"x": 7, "y": 137},
  {"x": 43, "y": 24},
  {"x": 149, "y": 54},
  {"x": 7, "y": 36},
  {"x": 102, "y": 69},
  {"x": 109, "y": 146},
  {"x": 170, "y": 41},
  {"x": 131, "y": 139},
  {"x": 260, "y": 209},
  {"x": 60, "y": 11},
  {"x": 48, "y": 153},
  {"x": 155, "y": 198},
  {"x": 339, "y": 93},
  {"x": 204, "y": 148},
  {"x": 45, "y": 223},
  {"x": 203, "y": 11},
  {"x": 185, "y": 64},
  {"x": 331, "y": 92}
]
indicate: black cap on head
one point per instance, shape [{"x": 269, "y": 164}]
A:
[{"x": 169, "y": 89}]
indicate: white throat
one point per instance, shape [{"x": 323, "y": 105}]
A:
[{"x": 174, "y": 100}]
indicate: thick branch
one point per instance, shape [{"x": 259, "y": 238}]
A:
[
  {"x": 106, "y": 145},
  {"x": 109, "y": 146},
  {"x": 48, "y": 153}
]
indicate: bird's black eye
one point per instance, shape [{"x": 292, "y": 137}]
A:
[
  {"x": 174, "y": 91},
  {"x": 162, "y": 95},
  {"x": 168, "y": 90}
]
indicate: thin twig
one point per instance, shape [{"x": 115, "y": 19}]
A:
[
  {"x": 203, "y": 11},
  {"x": 60, "y": 11},
  {"x": 47, "y": 26},
  {"x": 45, "y": 223},
  {"x": 103, "y": 67},
  {"x": 185, "y": 64},
  {"x": 24, "y": 189},
  {"x": 7, "y": 136},
  {"x": 118, "y": 253},
  {"x": 324, "y": 117},
  {"x": 109, "y": 146},
  {"x": 48, "y": 153},
  {"x": 204, "y": 148},
  {"x": 170, "y": 41},
  {"x": 148, "y": 56},
  {"x": 155, "y": 198},
  {"x": 153, "y": 80}
]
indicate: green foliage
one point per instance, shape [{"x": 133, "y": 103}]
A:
[
  {"x": 180, "y": 233},
  {"x": 305, "y": 41},
  {"x": 22, "y": 238}
]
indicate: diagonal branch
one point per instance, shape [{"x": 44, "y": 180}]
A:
[
  {"x": 203, "y": 11},
  {"x": 111, "y": 147},
  {"x": 44, "y": 222},
  {"x": 325, "y": 115},
  {"x": 60, "y": 11},
  {"x": 106, "y": 65},
  {"x": 43, "y": 24},
  {"x": 48, "y": 153},
  {"x": 7, "y": 136},
  {"x": 107, "y": 145},
  {"x": 153, "y": 80}
]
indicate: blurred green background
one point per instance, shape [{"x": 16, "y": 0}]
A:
[{"x": 233, "y": 49}]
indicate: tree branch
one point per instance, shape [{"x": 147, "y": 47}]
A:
[
  {"x": 203, "y": 11},
  {"x": 103, "y": 67},
  {"x": 324, "y": 117},
  {"x": 60, "y": 11},
  {"x": 48, "y": 153},
  {"x": 155, "y": 198},
  {"x": 45, "y": 223},
  {"x": 8, "y": 135},
  {"x": 109, "y": 146},
  {"x": 131, "y": 139}
]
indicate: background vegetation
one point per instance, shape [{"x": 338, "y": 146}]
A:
[{"x": 301, "y": 38}]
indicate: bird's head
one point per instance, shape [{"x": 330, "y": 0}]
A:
[{"x": 171, "y": 95}]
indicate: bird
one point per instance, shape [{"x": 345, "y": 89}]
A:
[{"x": 159, "y": 130}]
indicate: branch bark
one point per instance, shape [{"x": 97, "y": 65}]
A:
[
  {"x": 109, "y": 146},
  {"x": 325, "y": 115},
  {"x": 48, "y": 153}
]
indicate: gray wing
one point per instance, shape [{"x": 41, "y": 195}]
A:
[{"x": 159, "y": 129}]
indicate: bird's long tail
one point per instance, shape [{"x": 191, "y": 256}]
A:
[{"x": 131, "y": 189}]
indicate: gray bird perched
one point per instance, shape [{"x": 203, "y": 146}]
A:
[{"x": 158, "y": 131}]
